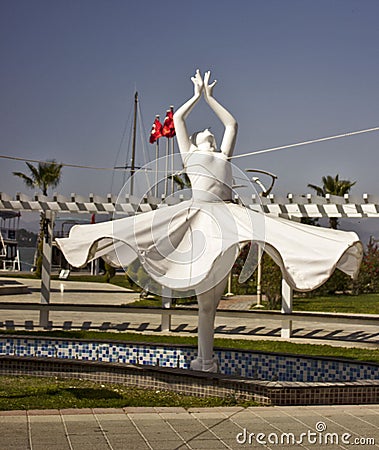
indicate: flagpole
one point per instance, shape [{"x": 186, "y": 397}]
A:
[
  {"x": 168, "y": 131},
  {"x": 172, "y": 147},
  {"x": 166, "y": 169},
  {"x": 132, "y": 170},
  {"x": 156, "y": 161},
  {"x": 155, "y": 134},
  {"x": 172, "y": 165},
  {"x": 156, "y": 168}
]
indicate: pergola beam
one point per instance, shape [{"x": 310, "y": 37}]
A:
[{"x": 292, "y": 206}]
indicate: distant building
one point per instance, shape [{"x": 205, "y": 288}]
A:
[{"x": 9, "y": 252}]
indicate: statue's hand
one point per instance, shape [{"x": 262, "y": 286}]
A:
[
  {"x": 198, "y": 83},
  {"x": 208, "y": 88}
]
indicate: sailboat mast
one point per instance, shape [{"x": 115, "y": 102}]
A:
[{"x": 132, "y": 168}]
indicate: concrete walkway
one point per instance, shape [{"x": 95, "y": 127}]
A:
[{"x": 331, "y": 427}]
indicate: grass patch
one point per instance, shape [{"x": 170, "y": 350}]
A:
[
  {"x": 118, "y": 280},
  {"x": 145, "y": 303},
  {"x": 350, "y": 304},
  {"x": 156, "y": 302},
  {"x": 22, "y": 392},
  {"x": 360, "y": 354}
]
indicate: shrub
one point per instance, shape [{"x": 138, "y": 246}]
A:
[
  {"x": 271, "y": 283},
  {"x": 368, "y": 278}
]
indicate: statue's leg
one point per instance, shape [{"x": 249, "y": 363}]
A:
[{"x": 208, "y": 302}]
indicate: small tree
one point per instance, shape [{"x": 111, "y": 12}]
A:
[
  {"x": 250, "y": 285},
  {"x": 271, "y": 282},
  {"x": 339, "y": 282},
  {"x": 368, "y": 277}
]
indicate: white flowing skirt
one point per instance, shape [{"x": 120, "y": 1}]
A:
[{"x": 183, "y": 246}]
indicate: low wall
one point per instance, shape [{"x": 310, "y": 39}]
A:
[
  {"x": 254, "y": 365},
  {"x": 196, "y": 383}
]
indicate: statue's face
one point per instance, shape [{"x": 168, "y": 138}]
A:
[{"x": 205, "y": 141}]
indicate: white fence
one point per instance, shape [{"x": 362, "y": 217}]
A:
[{"x": 285, "y": 320}]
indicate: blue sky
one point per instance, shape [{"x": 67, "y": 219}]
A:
[{"x": 289, "y": 70}]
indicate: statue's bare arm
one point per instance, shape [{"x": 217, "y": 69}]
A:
[
  {"x": 230, "y": 123},
  {"x": 182, "y": 113}
]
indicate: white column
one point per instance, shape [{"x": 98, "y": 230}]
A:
[
  {"x": 95, "y": 267},
  {"x": 229, "y": 293},
  {"x": 166, "y": 304},
  {"x": 46, "y": 267},
  {"x": 259, "y": 276},
  {"x": 287, "y": 301}
]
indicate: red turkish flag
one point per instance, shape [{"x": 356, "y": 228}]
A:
[
  {"x": 168, "y": 125},
  {"x": 156, "y": 130}
]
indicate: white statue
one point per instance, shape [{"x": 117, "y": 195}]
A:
[
  {"x": 193, "y": 244},
  {"x": 211, "y": 180}
]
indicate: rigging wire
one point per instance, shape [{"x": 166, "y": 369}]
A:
[
  {"x": 121, "y": 143},
  {"x": 76, "y": 166},
  {"x": 128, "y": 157},
  {"x": 142, "y": 132},
  {"x": 267, "y": 150},
  {"x": 143, "y": 139},
  {"x": 313, "y": 141}
]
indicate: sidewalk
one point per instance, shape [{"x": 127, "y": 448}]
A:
[{"x": 206, "y": 428}]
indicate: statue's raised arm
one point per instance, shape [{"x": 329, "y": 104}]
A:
[
  {"x": 230, "y": 123},
  {"x": 203, "y": 140},
  {"x": 181, "y": 114}
]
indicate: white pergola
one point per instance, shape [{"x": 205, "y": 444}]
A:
[{"x": 291, "y": 206}]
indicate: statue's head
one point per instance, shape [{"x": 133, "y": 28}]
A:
[{"x": 204, "y": 140}]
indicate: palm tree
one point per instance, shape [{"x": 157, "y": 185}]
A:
[
  {"x": 45, "y": 175},
  {"x": 333, "y": 186}
]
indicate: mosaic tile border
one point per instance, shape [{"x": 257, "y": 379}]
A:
[{"x": 247, "y": 364}]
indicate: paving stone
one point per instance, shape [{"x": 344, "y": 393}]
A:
[
  {"x": 13, "y": 413},
  {"x": 172, "y": 428},
  {"x": 43, "y": 412},
  {"x": 98, "y": 411}
]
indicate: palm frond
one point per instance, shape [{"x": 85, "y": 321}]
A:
[
  {"x": 318, "y": 189},
  {"x": 33, "y": 170},
  {"x": 27, "y": 180}
]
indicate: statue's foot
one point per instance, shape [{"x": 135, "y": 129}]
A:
[
  {"x": 197, "y": 364},
  {"x": 210, "y": 365}
]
